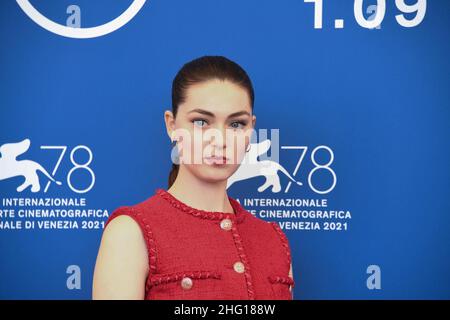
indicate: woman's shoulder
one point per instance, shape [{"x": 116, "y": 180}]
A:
[
  {"x": 139, "y": 211},
  {"x": 121, "y": 227}
]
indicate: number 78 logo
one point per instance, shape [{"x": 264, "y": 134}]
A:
[
  {"x": 76, "y": 166},
  {"x": 11, "y": 167},
  {"x": 317, "y": 167}
]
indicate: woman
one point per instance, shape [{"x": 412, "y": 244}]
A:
[{"x": 193, "y": 241}]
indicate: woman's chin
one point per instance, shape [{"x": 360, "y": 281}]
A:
[{"x": 216, "y": 172}]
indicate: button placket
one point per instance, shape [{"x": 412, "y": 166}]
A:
[{"x": 242, "y": 265}]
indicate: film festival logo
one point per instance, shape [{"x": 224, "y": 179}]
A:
[
  {"x": 44, "y": 212},
  {"x": 252, "y": 167},
  {"x": 11, "y": 167},
  {"x": 18, "y": 214},
  {"x": 73, "y": 28},
  {"x": 307, "y": 213}
]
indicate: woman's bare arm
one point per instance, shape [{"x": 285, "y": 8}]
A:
[{"x": 122, "y": 262}]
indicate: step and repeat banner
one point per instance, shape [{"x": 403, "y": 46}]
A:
[{"x": 352, "y": 100}]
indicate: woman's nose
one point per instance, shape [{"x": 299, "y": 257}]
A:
[{"x": 218, "y": 138}]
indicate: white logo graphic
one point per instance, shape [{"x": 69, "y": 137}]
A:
[
  {"x": 251, "y": 167},
  {"x": 81, "y": 33},
  {"x": 10, "y": 167}
]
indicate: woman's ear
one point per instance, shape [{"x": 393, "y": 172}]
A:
[
  {"x": 170, "y": 123},
  {"x": 253, "y": 121}
]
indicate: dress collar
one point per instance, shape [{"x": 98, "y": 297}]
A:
[{"x": 238, "y": 216}]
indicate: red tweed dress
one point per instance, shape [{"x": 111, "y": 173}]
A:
[{"x": 201, "y": 255}]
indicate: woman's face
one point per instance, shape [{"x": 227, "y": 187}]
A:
[{"x": 214, "y": 122}]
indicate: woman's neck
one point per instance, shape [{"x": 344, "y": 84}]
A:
[{"x": 200, "y": 194}]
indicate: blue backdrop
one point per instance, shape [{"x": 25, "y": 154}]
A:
[{"x": 363, "y": 118}]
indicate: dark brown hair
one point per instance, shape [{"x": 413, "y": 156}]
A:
[{"x": 200, "y": 70}]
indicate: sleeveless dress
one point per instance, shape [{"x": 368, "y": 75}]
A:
[{"x": 203, "y": 255}]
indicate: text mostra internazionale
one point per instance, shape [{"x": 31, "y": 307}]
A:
[{"x": 44, "y": 202}]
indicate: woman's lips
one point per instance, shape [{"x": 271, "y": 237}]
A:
[{"x": 216, "y": 159}]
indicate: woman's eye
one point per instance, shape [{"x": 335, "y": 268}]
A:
[
  {"x": 198, "y": 122},
  {"x": 238, "y": 125}
]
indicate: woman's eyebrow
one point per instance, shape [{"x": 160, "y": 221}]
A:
[{"x": 210, "y": 114}]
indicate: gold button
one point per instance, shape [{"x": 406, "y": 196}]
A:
[
  {"x": 239, "y": 267},
  {"x": 226, "y": 224},
  {"x": 186, "y": 283}
]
